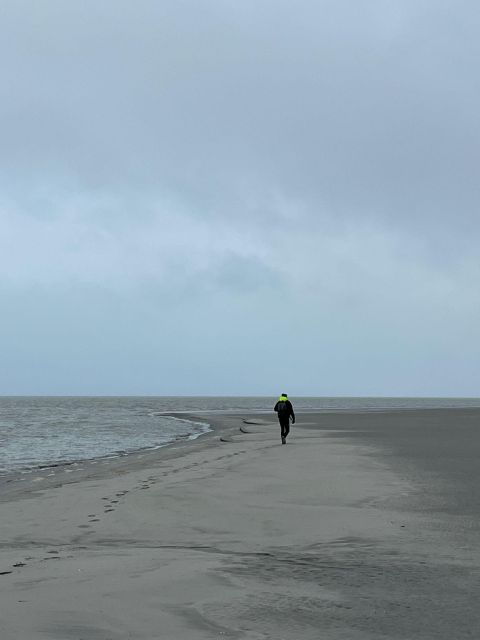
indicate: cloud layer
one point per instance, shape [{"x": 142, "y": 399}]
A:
[{"x": 225, "y": 197}]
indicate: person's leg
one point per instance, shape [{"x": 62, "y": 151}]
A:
[
  {"x": 287, "y": 427},
  {"x": 284, "y": 427}
]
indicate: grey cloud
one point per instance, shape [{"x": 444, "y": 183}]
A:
[
  {"x": 370, "y": 109},
  {"x": 244, "y": 172}
]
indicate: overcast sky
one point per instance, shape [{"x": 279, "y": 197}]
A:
[{"x": 240, "y": 197}]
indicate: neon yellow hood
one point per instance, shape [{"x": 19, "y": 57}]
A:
[{"x": 283, "y": 399}]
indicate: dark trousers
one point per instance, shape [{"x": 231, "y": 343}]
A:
[{"x": 284, "y": 425}]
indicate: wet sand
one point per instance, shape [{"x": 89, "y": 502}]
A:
[{"x": 362, "y": 526}]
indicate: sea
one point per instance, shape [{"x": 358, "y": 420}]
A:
[{"x": 40, "y": 431}]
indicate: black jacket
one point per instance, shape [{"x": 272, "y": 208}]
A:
[{"x": 288, "y": 410}]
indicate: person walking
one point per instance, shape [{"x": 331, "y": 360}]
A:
[{"x": 284, "y": 411}]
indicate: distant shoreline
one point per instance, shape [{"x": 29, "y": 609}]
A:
[{"x": 214, "y": 423}]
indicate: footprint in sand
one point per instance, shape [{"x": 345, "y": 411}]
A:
[
  {"x": 108, "y": 510},
  {"x": 95, "y": 520},
  {"x": 84, "y": 526},
  {"x": 5, "y": 573},
  {"x": 19, "y": 564}
]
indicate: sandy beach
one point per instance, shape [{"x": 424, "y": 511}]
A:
[{"x": 339, "y": 534}]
